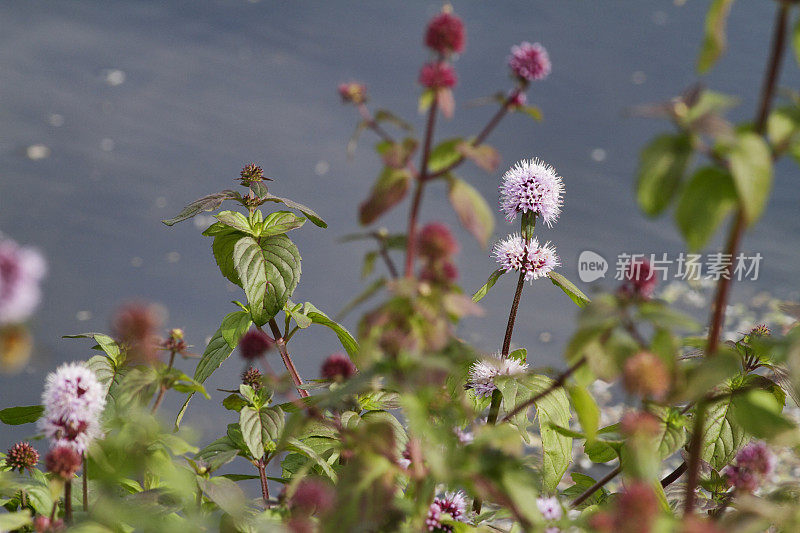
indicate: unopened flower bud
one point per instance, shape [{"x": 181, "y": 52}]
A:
[
  {"x": 436, "y": 241},
  {"x": 251, "y": 173},
  {"x": 645, "y": 374},
  {"x": 439, "y": 75},
  {"x": 640, "y": 280},
  {"x": 63, "y": 461},
  {"x": 22, "y": 456},
  {"x": 252, "y": 377},
  {"x": 353, "y": 92},
  {"x": 638, "y": 423},
  {"x": 337, "y": 367},
  {"x": 445, "y": 34},
  {"x": 254, "y": 344},
  {"x": 312, "y": 496}
]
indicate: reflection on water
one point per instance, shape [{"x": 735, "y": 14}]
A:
[{"x": 114, "y": 116}]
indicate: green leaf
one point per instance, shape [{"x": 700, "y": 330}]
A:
[
  {"x": 106, "y": 343},
  {"x": 234, "y": 402},
  {"x": 532, "y": 111},
  {"x": 384, "y": 115},
  {"x": 389, "y": 190},
  {"x": 234, "y": 326},
  {"x": 396, "y": 155},
  {"x": 301, "y": 447},
  {"x": 582, "y": 484},
  {"x": 425, "y": 100},
  {"x": 672, "y": 434},
  {"x": 260, "y": 429},
  {"x": 206, "y": 203},
  {"x": 796, "y": 40},
  {"x": 472, "y": 210},
  {"x": 714, "y": 41},
  {"x": 707, "y": 374},
  {"x": 222, "y": 248},
  {"x": 295, "y": 311},
  {"x": 759, "y": 413},
  {"x": 662, "y": 165},
  {"x": 280, "y": 222},
  {"x": 318, "y": 317},
  {"x": 235, "y": 220},
  {"x": 569, "y": 288},
  {"x": 15, "y": 416},
  {"x": 226, "y": 494},
  {"x": 259, "y": 188},
  {"x": 722, "y": 436},
  {"x": 587, "y": 410},
  {"x": 16, "y": 520},
  {"x": 216, "y": 352},
  {"x": 705, "y": 202},
  {"x": 751, "y": 168},
  {"x": 270, "y": 270},
  {"x": 483, "y": 291},
  {"x": 444, "y": 154},
  {"x": 291, "y": 204}
]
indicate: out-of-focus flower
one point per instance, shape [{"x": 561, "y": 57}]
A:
[
  {"x": 43, "y": 524},
  {"x": 353, "y": 92},
  {"x": 454, "y": 504},
  {"x": 135, "y": 325},
  {"x": 646, "y": 375},
  {"x": 312, "y": 496},
  {"x": 22, "y": 456},
  {"x": 753, "y": 463},
  {"x": 532, "y": 186},
  {"x": 550, "y": 508},
  {"x": 439, "y": 75},
  {"x": 439, "y": 272},
  {"x": 640, "y": 280},
  {"x": 445, "y": 34},
  {"x": 436, "y": 241},
  {"x": 63, "y": 461},
  {"x": 482, "y": 373},
  {"x": 338, "y": 366},
  {"x": 529, "y": 61},
  {"x": 514, "y": 253},
  {"x": 73, "y": 400},
  {"x": 252, "y": 377},
  {"x": 639, "y": 423},
  {"x": 518, "y": 99},
  {"x": 464, "y": 436},
  {"x": 254, "y": 344},
  {"x": 21, "y": 271}
]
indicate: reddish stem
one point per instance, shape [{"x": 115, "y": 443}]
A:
[{"x": 287, "y": 360}]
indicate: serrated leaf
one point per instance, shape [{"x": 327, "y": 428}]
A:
[
  {"x": 222, "y": 248},
  {"x": 234, "y": 402},
  {"x": 206, "y": 203},
  {"x": 722, "y": 436},
  {"x": 751, "y": 168},
  {"x": 234, "y": 326},
  {"x": 389, "y": 190},
  {"x": 483, "y": 291},
  {"x": 705, "y": 202},
  {"x": 15, "y": 416},
  {"x": 259, "y": 188},
  {"x": 260, "y": 428},
  {"x": 295, "y": 311},
  {"x": 318, "y": 317},
  {"x": 280, "y": 222},
  {"x": 235, "y": 220},
  {"x": 270, "y": 271},
  {"x": 582, "y": 484},
  {"x": 472, "y": 210},
  {"x": 569, "y": 288},
  {"x": 291, "y": 204},
  {"x": 106, "y": 343},
  {"x": 662, "y": 165},
  {"x": 714, "y": 41},
  {"x": 216, "y": 352},
  {"x": 308, "y": 451}
]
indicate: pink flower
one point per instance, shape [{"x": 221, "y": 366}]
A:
[
  {"x": 550, "y": 508},
  {"x": 436, "y": 241},
  {"x": 63, "y": 461},
  {"x": 754, "y": 462},
  {"x": 532, "y": 186},
  {"x": 640, "y": 280},
  {"x": 338, "y": 366},
  {"x": 445, "y": 34},
  {"x": 21, "y": 271},
  {"x": 254, "y": 344},
  {"x": 354, "y": 92},
  {"x": 454, "y": 504},
  {"x": 437, "y": 76},
  {"x": 529, "y": 61},
  {"x": 514, "y": 253}
]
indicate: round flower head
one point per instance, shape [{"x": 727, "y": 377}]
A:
[
  {"x": 532, "y": 186},
  {"x": 63, "y": 461},
  {"x": 21, "y": 271},
  {"x": 445, "y": 34},
  {"x": 73, "y": 394},
  {"x": 483, "y": 372},
  {"x": 640, "y": 280},
  {"x": 550, "y": 508},
  {"x": 22, "y": 456},
  {"x": 252, "y": 377},
  {"x": 454, "y": 504},
  {"x": 254, "y": 344},
  {"x": 354, "y": 92},
  {"x": 436, "y": 241},
  {"x": 312, "y": 495},
  {"x": 529, "y": 61},
  {"x": 437, "y": 76},
  {"x": 754, "y": 462},
  {"x": 338, "y": 366},
  {"x": 514, "y": 254}
]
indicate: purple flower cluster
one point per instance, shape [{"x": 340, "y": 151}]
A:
[
  {"x": 529, "y": 61},
  {"x": 550, "y": 508},
  {"x": 73, "y": 401},
  {"x": 482, "y": 373},
  {"x": 454, "y": 504},
  {"x": 438, "y": 76},
  {"x": 21, "y": 271},
  {"x": 536, "y": 261},
  {"x": 532, "y": 186},
  {"x": 754, "y": 462}
]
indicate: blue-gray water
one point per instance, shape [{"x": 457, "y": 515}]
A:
[{"x": 210, "y": 86}]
